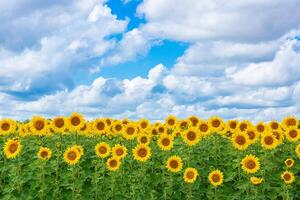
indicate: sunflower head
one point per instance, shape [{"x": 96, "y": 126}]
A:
[
  {"x": 182, "y": 124},
  {"x": 261, "y": 128},
  {"x": 38, "y": 125},
  {"x": 174, "y": 164},
  {"x": 193, "y": 120},
  {"x": 288, "y": 177},
  {"x": 117, "y": 127},
  {"x": 119, "y": 151},
  {"x": 44, "y": 153},
  {"x": 244, "y": 125},
  {"x": 102, "y": 150},
  {"x": 130, "y": 131},
  {"x": 232, "y": 125},
  {"x": 292, "y": 134},
  {"x": 100, "y": 126},
  {"x": 256, "y": 181},
  {"x": 141, "y": 152},
  {"x": 290, "y": 121},
  {"x": 170, "y": 121},
  {"x": 240, "y": 140},
  {"x": 253, "y": 135},
  {"x": 250, "y": 164},
  {"x": 144, "y": 124},
  {"x": 161, "y": 129},
  {"x": 72, "y": 155},
  {"x": 165, "y": 142},
  {"x": 204, "y": 127},
  {"x": 58, "y": 124},
  {"x": 12, "y": 148},
  {"x": 289, "y": 162},
  {"x": 7, "y": 126},
  {"x": 144, "y": 138},
  {"x": 113, "y": 164},
  {"x": 273, "y": 125},
  {"x": 190, "y": 175},
  {"x": 269, "y": 141},
  {"x": 75, "y": 121},
  {"x": 216, "y": 123},
  {"x": 215, "y": 178},
  {"x": 191, "y": 136}
]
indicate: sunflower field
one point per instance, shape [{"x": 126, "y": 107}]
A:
[{"x": 73, "y": 158}]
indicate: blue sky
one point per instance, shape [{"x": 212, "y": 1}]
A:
[{"x": 150, "y": 58}]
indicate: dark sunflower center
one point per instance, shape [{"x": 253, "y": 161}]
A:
[
  {"x": 118, "y": 127},
  {"x": 165, "y": 141},
  {"x": 100, "y": 126},
  {"x": 144, "y": 125},
  {"x": 59, "y": 122},
  {"x": 113, "y": 163},
  {"x": 75, "y": 121},
  {"x": 194, "y": 121},
  {"x": 274, "y": 125},
  {"x": 243, "y": 126},
  {"x": 44, "y": 154},
  {"x": 293, "y": 133},
  {"x": 144, "y": 140},
  {"x": 161, "y": 129},
  {"x": 108, "y": 122},
  {"x": 171, "y": 122},
  {"x": 130, "y": 131},
  {"x": 174, "y": 164},
  {"x": 203, "y": 127},
  {"x": 190, "y": 175},
  {"x": 119, "y": 152},
  {"x": 240, "y": 140},
  {"x": 216, "y": 178},
  {"x": 287, "y": 177},
  {"x": 13, "y": 147},
  {"x": 216, "y": 123},
  {"x": 183, "y": 124},
  {"x": 291, "y": 122},
  {"x": 269, "y": 140},
  {"x": 142, "y": 152},
  {"x": 72, "y": 155},
  {"x": 232, "y": 125},
  {"x": 260, "y": 128},
  {"x": 251, "y": 135},
  {"x": 250, "y": 164},
  {"x": 289, "y": 162},
  {"x": 102, "y": 150},
  {"x": 5, "y": 126},
  {"x": 39, "y": 125},
  {"x": 191, "y": 135}
]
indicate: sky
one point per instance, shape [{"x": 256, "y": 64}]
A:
[{"x": 237, "y": 59}]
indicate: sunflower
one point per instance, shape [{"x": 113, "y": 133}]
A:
[
  {"x": 117, "y": 127},
  {"x": 232, "y": 125},
  {"x": 119, "y": 151},
  {"x": 85, "y": 130},
  {"x": 161, "y": 129},
  {"x": 191, "y": 136},
  {"x": 7, "y": 126},
  {"x": 290, "y": 121},
  {"x": 216, "y": 178},
  {"x": 12, "y": 148},
  {"x": 182, "y": 124},
  {"x": 170, "y": 121},
  {"x": 108, "y": 121},
  {"x": 38, "y": 125},
  {"x": 278, "y": 135},
  {"x": 99, "y": 126},
  {"x": 289, "y": 162},
  {"x": 240, "y": 140},
  {"x": 292, "y": 134},
  {"x": 268, "y": 141},
  {"x": 193, "y": 120},
  {"x": 141, "y": 152},
  {"x": 256, "y": 181},
  {"x": 75, "y": 121},
  {"x": 113, "y": 163},
  {"x": 58, "y": 124},
  {"x": 165, "y": 142},
  {"x": 44, "y": 153},
  {"x": 250, "y": 164},
  {"x": 253, "y": 135},
  {"x": 244, "y": 125},
  {"x": 288, "y": 177},
  {"x": 176, "y": 132},
  {"x": 71, "y": 156},
  {"x": 102, "y": 149},
  {"x": 261, "y": 128},
  {"x": 190, "y": 175},
  {"x": 23, "y": 130},
  {"x": 174, "y": 164},
  {"x": 144, "y": 124},
  {"x": 273, "y": 125},
  {"x": 297, "y": 150},
  {"x": 130, "y": 131},
  {"x": 144, "y": 138},
  {"x": 216, "y": 123},
  {"x": 204, "y": 127}
]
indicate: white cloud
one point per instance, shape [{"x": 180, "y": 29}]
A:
[{"x": 233, "y": 20}]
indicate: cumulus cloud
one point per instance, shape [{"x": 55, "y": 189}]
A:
[{"x": 195, "y": 20}]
